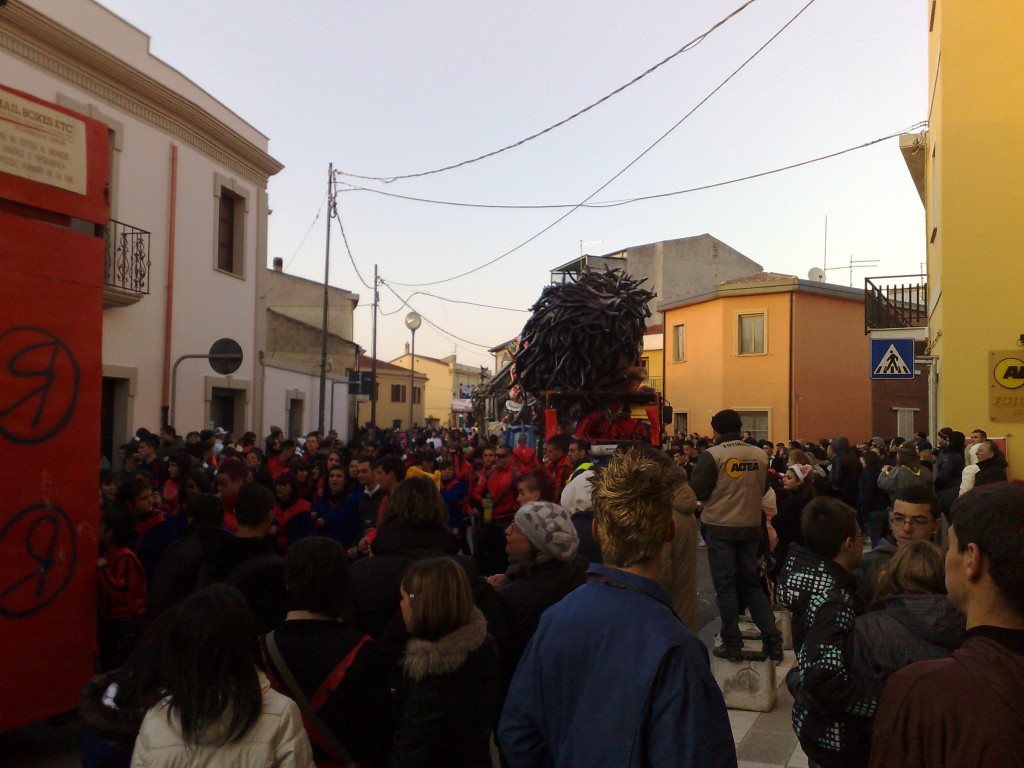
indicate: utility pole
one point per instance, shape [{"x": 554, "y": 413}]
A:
[
  {"x": 327, "y": 274},
  {"x": 373, "y": 355}
]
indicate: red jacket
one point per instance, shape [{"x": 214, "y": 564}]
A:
[
  {"x": 122, "y": 585},
  {"x": 559, "y": 473},
  {"x": 501, "y": 485}
]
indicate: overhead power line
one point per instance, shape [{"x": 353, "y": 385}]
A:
[
  {"x": 689, "y": 46},
  {"x": 428, "y": 321},
  {"x": 303, "y": 241},
  {"x": 454, "y": 301},
  {"x": 641, "y": 198},
  {"x": 629, "y": 165},
  {"x": 348, "y": 250}
]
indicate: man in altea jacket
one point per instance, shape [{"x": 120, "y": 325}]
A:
[{"x": 730, "y": 479}]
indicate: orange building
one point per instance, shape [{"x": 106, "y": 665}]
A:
[{"x": 790, "y": 355}]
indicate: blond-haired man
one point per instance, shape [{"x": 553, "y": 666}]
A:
[{"x": 612, "y": 677}]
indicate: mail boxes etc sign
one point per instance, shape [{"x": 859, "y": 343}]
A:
[
  {"x": 1006, "y": 385},
  {"x": 41, "y": 144}
]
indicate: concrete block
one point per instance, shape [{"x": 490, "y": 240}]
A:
[
  {"x": 783, "y": 622},
  {"x": 748, "y": 685}
]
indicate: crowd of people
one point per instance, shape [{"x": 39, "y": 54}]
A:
[{"x": 403, "y": 598}]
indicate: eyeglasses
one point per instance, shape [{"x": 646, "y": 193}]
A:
[{"x": 916, "y": 522}]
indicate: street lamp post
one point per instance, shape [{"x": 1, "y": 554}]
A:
[{"x": 412, "y": 322}]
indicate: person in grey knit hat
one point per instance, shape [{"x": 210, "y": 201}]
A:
[{"x": 549, "y": 529}]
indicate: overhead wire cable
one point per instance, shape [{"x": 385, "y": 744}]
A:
[
  {"x": 689, "y": 46},
  {"x": 428, "y": 321},
  {"x": 638, "y": 199},
  {"x": 348, "y": 250},
  {"x": 629, "y": 165},
  {"x": 453, "y": 301},
  {"x": 305, "y": 236}
]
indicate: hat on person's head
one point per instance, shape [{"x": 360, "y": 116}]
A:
[
  {"x": 879, "y": 443},
  {"x": 276, "y": 431},
  {"x": 946, "y": 433},
  {"x": 577, "y": 494},
  {"x": 907, "y": 452},
  {"x": 220, "y": 432},
  {"x": 726, "y": 422},
  {"x": 549, "y": 530},
  {"x": 801, "y": 471}
]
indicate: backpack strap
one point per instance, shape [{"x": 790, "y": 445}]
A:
[
  {"x": 329, "y": 741},
  {"x": 333, "y": 680}
]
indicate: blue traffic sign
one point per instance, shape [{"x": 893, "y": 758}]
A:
[{"x": 892, "y": 358}]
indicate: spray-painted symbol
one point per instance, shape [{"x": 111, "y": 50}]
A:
[
  {"x": 39, "y": 551},
  {"x": 38, "y": 385}
]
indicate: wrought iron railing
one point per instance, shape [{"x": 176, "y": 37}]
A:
[
  {"x": 655, "y": 383},
  {"x": 127, "y": 263},
  {"x": 897, "y": 301}
]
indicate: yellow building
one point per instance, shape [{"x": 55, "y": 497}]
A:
[
  {"x": 790, "y": 355},
  {"x": 393, "y": 395},
  {"x": 971, "y": 157},
  {"x": 449, "y": 387}
]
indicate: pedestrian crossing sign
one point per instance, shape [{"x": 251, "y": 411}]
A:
[{"x": 892, "y": 358}]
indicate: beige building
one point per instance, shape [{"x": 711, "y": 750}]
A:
[
  {"x": 187, "y": 235},
  {"x": 393, "y": 395},
  {"x": 449, "y": 387}
]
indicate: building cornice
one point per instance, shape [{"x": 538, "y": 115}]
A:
[{"x": 34, "y": 37}]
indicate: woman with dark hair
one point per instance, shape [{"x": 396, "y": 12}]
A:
[
  {"x": 302, "y": 471},
  {"x": 197, "y": 482},
  {"x": 293, "y": 517},
  {"x": 178, "y": 467},
  {"x": 338, "y": 513},
  {"x": 450, "y": 693},
  {"x": 334, "y": 668},
  {"x": 113, "y": 705},
  {"x": 799, "y": 488},
  {"x": 219, "y": 708},
  {"x": 108, "y": 490}
]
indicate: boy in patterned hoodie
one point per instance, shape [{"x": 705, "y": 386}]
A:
[{"x": 832, "y": 710}]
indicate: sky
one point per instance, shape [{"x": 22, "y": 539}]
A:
[{"x": 390, "y": 88}]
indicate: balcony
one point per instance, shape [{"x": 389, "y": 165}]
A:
[
  {"x": 655, "y": 383},
  {"x": 895, "y": 302},
  {"x": 127, "y": 265}
]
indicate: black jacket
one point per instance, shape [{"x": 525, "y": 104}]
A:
[
  {"x": 449, "y": 700},
  {"x": 990, "y": 470},
  {"x": 906, "y": 629},
  {"x": 524, "y": 599}
]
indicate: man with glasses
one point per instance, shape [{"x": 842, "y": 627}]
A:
[
  {"x": 496, "y": 487},
  {"x": 914, "y": 517}
]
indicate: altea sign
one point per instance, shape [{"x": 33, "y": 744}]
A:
[{"x": 1006, "y": 385}]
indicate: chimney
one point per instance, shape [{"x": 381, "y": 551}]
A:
[
  {"x": 407, "y": 347},
  {"x": 278, "y": 264}
]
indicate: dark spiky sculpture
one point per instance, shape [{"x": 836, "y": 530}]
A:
[{"x": 584, "y": 335}]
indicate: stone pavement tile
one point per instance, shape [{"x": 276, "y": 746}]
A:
[
  {"x": 766, "y": 746},
  {"x": 741, "y": 722},
  {"x": 748, "y": 764},
  {"x": 798, "y": 759}
]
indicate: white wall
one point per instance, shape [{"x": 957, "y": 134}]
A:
[{"x": 284, "y": 381}]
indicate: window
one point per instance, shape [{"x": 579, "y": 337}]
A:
[
  {"x": 751, "y": 334},
  {"x": 678, "y": 343},
  {"x": 756, "y": 423},
  {"x": 417, "y": 396},
  {"x": 682, "y": 424},
  {"x": 231, "y": 207},
  {"x": 398, "y": 393}
]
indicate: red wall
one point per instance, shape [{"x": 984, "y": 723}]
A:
[{"x": 51, "y": 289}]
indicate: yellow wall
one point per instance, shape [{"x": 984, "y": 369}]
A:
[
  {"x": 975, "y": 184},
  {"x": 713, "y": 376},
  {"x": 831, "y": 376},
  {"x": 828, "y": 370},
  {"x": 437, "y": 402},
  {"x": 388, "y": 411}
]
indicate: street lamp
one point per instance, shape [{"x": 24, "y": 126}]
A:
[{"x": 412, "y": 321}]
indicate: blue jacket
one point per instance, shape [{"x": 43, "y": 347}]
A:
[{"x": 612, "y": 677}]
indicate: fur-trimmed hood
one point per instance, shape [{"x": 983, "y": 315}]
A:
[{"x": 447, "y": 655}]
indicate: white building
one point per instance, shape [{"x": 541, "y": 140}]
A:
[{"x": 187, "y": 244}]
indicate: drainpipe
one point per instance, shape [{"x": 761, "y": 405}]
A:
[{"x": 169, "y": 315}]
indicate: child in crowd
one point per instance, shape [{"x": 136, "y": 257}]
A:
[
  {"x": 832, "y": 709},
  {"x": 122, "y": 590}
]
